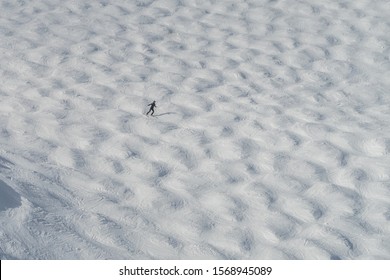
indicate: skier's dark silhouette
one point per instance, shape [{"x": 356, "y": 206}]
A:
[{"x": 152, "y": 106}]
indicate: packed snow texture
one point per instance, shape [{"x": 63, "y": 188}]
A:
[{"x": 270, "y": 140}]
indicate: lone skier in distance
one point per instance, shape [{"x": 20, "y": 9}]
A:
[{"x": 152, "y": 106}]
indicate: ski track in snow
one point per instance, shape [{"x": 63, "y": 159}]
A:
[{"x": 271, "y": 138}]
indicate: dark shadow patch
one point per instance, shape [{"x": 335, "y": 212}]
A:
[
  {"x": 163, "y": 114},
  {"x": 247, "y": 242},
  {"x": 227, "y": 131},
  {"x": 8, "y": 197},
  {"x": 5, "y": 163},
  {"x": 79, "y": 159},
  {"x": 162, "y": 169},
  {"x": 185, "y": 157}
]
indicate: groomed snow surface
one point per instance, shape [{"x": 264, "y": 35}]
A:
[{"x": 271, "y": 138}]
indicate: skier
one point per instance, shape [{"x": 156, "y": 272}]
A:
[{"x": 152, "y": 106}]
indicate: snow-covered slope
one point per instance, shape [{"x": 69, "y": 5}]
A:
[{"x": 271, "y": 138}]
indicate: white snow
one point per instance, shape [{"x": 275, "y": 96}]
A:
[{"x": 271, "y": 138}]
